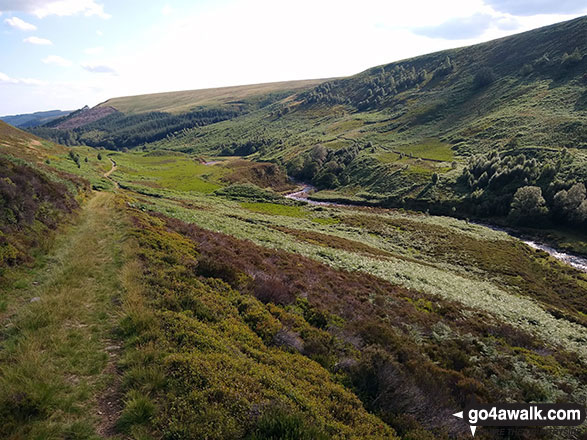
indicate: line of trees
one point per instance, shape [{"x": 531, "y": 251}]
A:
[
  {"x": 323, "y": 167},
  {"x": 371, "y": 90},
  {"x": 118, "y": 130},
  {"x": 526, "y": 190}
]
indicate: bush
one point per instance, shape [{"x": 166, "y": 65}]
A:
[
  {"x": 273, "y": 290},
  {"x": 483, "y": 78},
  {"x": 574, "y": 58},
  {"x": 247, "y": 192},
  {"x": 526, "y": 70},
  {"x": 211, "y": 268}
]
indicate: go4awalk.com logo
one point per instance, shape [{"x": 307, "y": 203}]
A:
[{"x": 522, "y": 414}]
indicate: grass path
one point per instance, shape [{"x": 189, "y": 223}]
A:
[
  {"x": 111, "y": 170},
  {"x": 57, "y": 344}
]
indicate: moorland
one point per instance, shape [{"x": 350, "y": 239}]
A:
[{"x": 156, "y": 283}]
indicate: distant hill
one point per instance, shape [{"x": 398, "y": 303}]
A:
[
  {"x": 188, "y": 100},
  {"x": 28, "y": 120},
  {"x": 81, "y": 117},
  {"x": 136, "y": 120}
]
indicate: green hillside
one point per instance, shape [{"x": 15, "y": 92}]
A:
[
  {"x": 163, "y": 288},
  {"x": 185, "y": 301},
  {"x": 406, "y": 133},
  {"x": 136, "y": 120}
]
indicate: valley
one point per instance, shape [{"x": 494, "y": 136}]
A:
[{"x": 323, "y": 259}]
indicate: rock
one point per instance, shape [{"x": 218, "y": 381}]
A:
[{"x": 35, "y": 299}]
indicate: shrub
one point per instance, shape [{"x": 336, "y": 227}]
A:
[
  {"x": 574, "y": 58},
  {"x": 248, "y": 192},
  {"x": 273, "y": 290},
  {"x": 526, "y": 70},
  {"x": 212, "y": 268},
  {"x": 483, "y": 78}
]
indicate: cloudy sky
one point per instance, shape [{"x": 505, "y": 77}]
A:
[{"x": 63, "y": 54}]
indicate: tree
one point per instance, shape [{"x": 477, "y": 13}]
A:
[
  {"x": 572, "y": 204},
  {"x": 319, "y": 153},
  {"x": 75, "y": 157},
  {"x": 295, "y": 167},
  {"x": 327, "y": 180},
  {"x": 99, "y": 156},
  {"x": 434, "y": 178},
  {"x": 528, "y": 206}
]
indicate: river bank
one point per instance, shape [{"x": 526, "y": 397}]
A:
[{"x": 576, "y": 261}]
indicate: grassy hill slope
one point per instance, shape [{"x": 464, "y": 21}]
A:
[
  {"x": 185, "y": 101},
  {"x": 408, "y": 133},
  {"x": 413, "y": 313},
  {"x": 133, "y": 121},
  {"x": 188, "y": 304}
]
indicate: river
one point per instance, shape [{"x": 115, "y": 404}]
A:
[{"x": 575, "y": 261}]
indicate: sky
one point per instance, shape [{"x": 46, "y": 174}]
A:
[{"x": 64, "y": 54}]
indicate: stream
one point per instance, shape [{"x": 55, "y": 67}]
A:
[{"x": 575, "y": 261}]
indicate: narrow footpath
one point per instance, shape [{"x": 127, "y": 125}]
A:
[{"x": 58, "y": 349}]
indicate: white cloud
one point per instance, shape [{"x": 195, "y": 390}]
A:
[
  {"x": 167, "y": 9},
  {"x": 99, "y": 68},
  {"x": 44, "y": 8},
  {"x": 536, "y": 7},
  {"x": 99, "y": 33},
  {"x": 5, "y": 79},
  {"x": 57, "y": 60},
  {"x": 37, "y": 40},
  {"x": 94, "y": 50},
  {"x": 17, "y": 23},
  {"x": 463, "y": 28}
]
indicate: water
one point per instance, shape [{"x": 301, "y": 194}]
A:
[
  {"x": 575, "y": 261},
  {"x": 302, "y": 196},
  {"x": 572, "y": 260}
]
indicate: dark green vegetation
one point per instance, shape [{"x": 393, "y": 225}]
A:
[
  {"x": 546, "y": 189},
  {"x": 187, "y": 298},
  {"x": 118, "y": 130}
]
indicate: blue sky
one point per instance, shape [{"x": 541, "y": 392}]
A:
[{"x": 63, "y": 54}]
